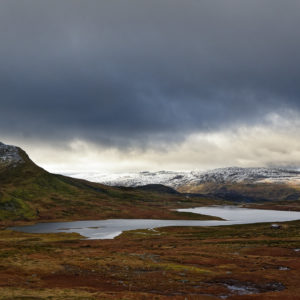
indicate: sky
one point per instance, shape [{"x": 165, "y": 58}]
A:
[{"x": 132, "y": 85}]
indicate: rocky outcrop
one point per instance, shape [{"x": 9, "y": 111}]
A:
[{"x": 9, "y": 155}]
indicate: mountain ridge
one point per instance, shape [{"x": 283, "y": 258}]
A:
[
  {"x": 177, "y": 179},
  {"x": 230, "y": 184}
]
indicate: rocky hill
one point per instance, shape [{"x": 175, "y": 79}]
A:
[
  {"x": 9, "y": 155},
  {"x": 28, "y": 192}
]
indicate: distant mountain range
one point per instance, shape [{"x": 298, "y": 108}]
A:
[
  {"x": 179, "y": 180},
  {"x": 233, "y": 184}
]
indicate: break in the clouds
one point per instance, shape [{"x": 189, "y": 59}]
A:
[
  {"x": 135, "y": 75},
  {"x": 274, "y": 144}
]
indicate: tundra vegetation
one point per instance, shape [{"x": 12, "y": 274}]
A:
[
  {"x": 254, "y": 261},
  {"x": 239, "y": 262}
]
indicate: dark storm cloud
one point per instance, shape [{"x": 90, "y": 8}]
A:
[{"x": 123, "y": 72}]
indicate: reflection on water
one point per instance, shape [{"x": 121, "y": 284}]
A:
[{"x": 108, "y": 229}]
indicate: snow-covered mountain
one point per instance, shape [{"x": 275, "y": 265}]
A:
[
  {"x": 193, "y": 178},
  {"x": 168, "y": 178},
  {"x": 9, "y": 155}
]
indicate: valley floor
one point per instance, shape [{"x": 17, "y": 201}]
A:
[{"x": 233, "y": 262}]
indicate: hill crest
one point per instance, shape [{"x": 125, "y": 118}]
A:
[{"x": 10, "y": 155}]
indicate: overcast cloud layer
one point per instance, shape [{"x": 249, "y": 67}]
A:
[{"x": 137, "y": 74}]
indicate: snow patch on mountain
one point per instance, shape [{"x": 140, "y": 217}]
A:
[
  {"x": 178, "y": 179},
  {"x": 9, "y": 155},
  {"x": 168, "y": 178}
]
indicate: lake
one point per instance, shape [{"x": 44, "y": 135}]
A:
[{"x": 108, "y": 229}]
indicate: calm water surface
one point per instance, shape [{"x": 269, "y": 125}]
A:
[{"x": 108, "y": 229}]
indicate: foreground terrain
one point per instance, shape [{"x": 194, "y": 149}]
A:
[
  {"x": 233, "y": 262},
  {"x": 228, "y": 262}
]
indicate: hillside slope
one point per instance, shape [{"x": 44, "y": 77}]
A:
[{"x": 28, "y": 192}]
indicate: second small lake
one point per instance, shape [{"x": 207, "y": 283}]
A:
[{"x": 108, "y": 229}]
